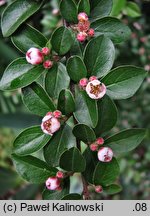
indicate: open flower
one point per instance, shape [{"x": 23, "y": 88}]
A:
[
  {"x": 50, "y": 124},
  {"x": 53, "y": 183},
  {"x": 95, "y": 89},
  {"x": 105, "y": 154},
  {"x": 34, "y": 56}
]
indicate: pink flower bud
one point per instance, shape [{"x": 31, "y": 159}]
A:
[
  {"x": 98, "y": 189},
  {"x": 81, "y": 37},
  {"x": 91, "y": 32},
  {"x": 94, "y": 147},
  {"x": 60, "y": 175},
  {"x": 105, "y": 154},
  {"x": 2, "y": 2},
  {"x": 45, "y": 51},
  {"x": 82, "y": 17},
  {"x": 57, "y": 114},
  {"x": 83, "y": 82},
  {"x": 48, "y": 64},
  {"x": 100, "y": 141},
  {"x": 95, "y": 89},
  {"x": 53, "y": 183},
  {"x": 55, "y": 12},
  {"x": 83, "y": 26},
  {"x": 92, "y": 78},
  {"x": 34, "y": 56},
  {"x": 50, "y": 124}
]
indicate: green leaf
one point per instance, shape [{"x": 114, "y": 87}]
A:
[
  {"x": 107, "y": 115},
  {"x": 106, "y": 173},
  {"x": 132, "y": 9},
  {"x": 72, "y": 160},
  {"x": 30, "y": 140},
  {"x": 84, "y": 133},
  {"x": 69, "y": 11},
  {"x": 37, "y": 100},
  {"x": 76, "y": 68},
  {"x": 123, "y": 82},
  {"x": 118, "y": 7},
  {"x": 113, "y": 28},
  {"x": 16, "y": 13},
  {"x": 62, "y": 140},
  {"x": 28, "y": 37},
  {"x": 62, "y": 40},
  {"x": 56, "y": 80},
  {"x": 126, "y": 140},
  {"x": 99, "y": 56},
  {"x": 100, "y": 8},
  {"x": 66, "y": 102},
  {"x": 57, "y": 195},
  {"x": 32, "y": 169},
  {"x": 112, "y": 189},
  {"x": 91, "y": 162},
  {"x": 86, "y": 109},
  {"x": 73, "y": 196},
  {"x": 20, "y": 74},
  {"x": 84, "y": 6}
]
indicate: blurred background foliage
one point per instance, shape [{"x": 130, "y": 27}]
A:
[{"x": 134, "y": 112}]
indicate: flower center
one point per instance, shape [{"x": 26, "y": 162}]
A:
[
  {"x": 95, "y": 89},
  {"x": 47, "y": 125}
]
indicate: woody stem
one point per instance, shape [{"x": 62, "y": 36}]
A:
[{"x": 86, "y": 193}]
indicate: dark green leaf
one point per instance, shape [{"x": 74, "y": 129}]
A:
[
  {"x": 62, "y": 40},
  {"x": 28, "y": 37},
  {"x": 32, "y": 169},
  {"x": 106, "y": 173},
  {"x": 56, "y": 80},
  {"x": 16, "y": 13},
  {"x": 111, "y": 27},
  {"x": 99, "y": 56},
  {"x": 37, "y": 100},
  {"x": 72, "y": 196},
  {"x": 107, "y": 115},
  {"x": 30, "y": 140},
  {"x": 86, "y": 109},
  {"x": 84, "y": 133},
  {"x": 76, "y": 68},
  {"x": 66, "y": 103},
  {"x": 62, "y": 140},
  {"x": 84, "y": 6},
  {"x": 123, "y": 82},
  {"x": 112, "y": 189},
  {"x": 126, "y": 140},
  {"x": 72, "y": 160},
  {"x": 20, "y": 74},
  {"x": 69, "y": 10}
]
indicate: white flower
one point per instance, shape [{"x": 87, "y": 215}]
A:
[
  {"x": 105, "y": 154},
  {"x": 50, "y": 124},
  {"x": 53, "y": 183},
  {"x": 34, "y": 56},
  {"x": 95, "y": 89}
]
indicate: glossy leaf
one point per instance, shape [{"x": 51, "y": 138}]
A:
[
  {"x": 118, "y": 6},
  {"x": 84, "y": 133},
  {"x": 66, "y": 102},
  {"x": 16, "y": 13},
  {"x": 30, "y": 140},
  {"x": 99, "y": 56},
  {"x": 28, "y": 37},
  {"x": 62, "y": 40},
  {"x": 132, "y": 9},
  {"x": 86, "y": 109},
  {"x": 62, "y": 140},
  {"x": 68, "y": 10},
  {"x": 37, "y": 100},
  {"x": 126, "y": 140},
  {"x": 106, "y": 173},
  {"x": 19, "y": 74},
  {"x": 72, "y": 160},
  {"x": 107, "y": 115},
  {"x": 76, "y": 68},
  {"x": 32, "y": 169},
  {"x": 112, "y": 189},
  {"x": 123, "y": 82},
  {"x": 56, "y": 80},
  {"x": 113, "y": 28},
  {"x": 84, "y": 6},
  {"x": 73, "y": 196}
]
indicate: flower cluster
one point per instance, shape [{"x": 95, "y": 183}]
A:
[
  {"x": 105, "y": 154},
  {"x": 94, "y": 88},
  {"x": 83, "y": 28},
  {"x": 51, "y": 122},
  {"x": 54, "y": 183},
  {"x": 35, "y": 56}
]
